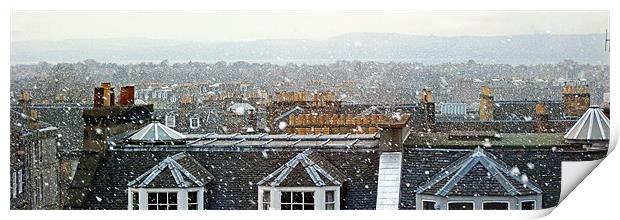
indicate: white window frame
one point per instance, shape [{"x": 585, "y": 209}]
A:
[
  {"x": 193, "y": 125},
  {"x": 428, "y": 200},
  {"x": 182, "y": 199},
  {"x": 319, "y": 195},
  {"x": 20, "y": 181},
  {"x": 172, "y": 119},
  {"x": 14, "y": 184},
  {"x": 483, "y": 202},
  {"x": 529, "y": 200},
  {"x": 464, "y": 201}
]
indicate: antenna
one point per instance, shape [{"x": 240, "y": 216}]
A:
[{"x": 607, "y": 42}]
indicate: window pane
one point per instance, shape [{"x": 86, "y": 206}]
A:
[
  {"x": 428, "y": 205},
  {"x": 308, "y": 197},
  {"x": 172, "y": 207},
  {"x": 308, "y": 207},
  {"x": 152, "y": 207},
  {"x": 162, "y": 198},
  {"x": 172, "y": 198},
  {"x": 192, "y": 207},
  {"x": 266, "y": 196},
  {"x": 297, "y": 197},
  {"x": 461, "y": 206},
  {"x": 329, "y": 206},
  {"x": 162, "y": 207},
  {"x": 192, "y": 197},
  {"x": 285, "y": 197},
  {"x": 529, "y": 205},
  {"x": 285, "y": 207},
  {"x": 266, "y": 206},
  {"x": 298, "y": 207},
  {"x": 495, "y": 206},
  {"x": 152, "y": 198},
  {"x": 329, "y": 196}
]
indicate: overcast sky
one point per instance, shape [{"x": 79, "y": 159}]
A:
[{"x": 246, "y": 26}]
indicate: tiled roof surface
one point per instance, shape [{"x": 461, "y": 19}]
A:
[
  {"x": 236, "y": 175},
  {"x": 542, "y": 166},
  {"x": 478, "y": 173},
  {"x": 307, "y": 168}
]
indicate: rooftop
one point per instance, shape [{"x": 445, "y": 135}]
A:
[{"x": 525, "y": 140}]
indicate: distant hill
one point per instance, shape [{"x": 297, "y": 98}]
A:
[{"x": 384, "y": 47}]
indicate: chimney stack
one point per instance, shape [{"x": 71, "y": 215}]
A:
[
  {"x": 486, "y": 104},
  {"x": 104, "y": 95},
  {"x": 428, "y": 108},
  {"x": 394, "y": 131},
  {"x": 127, "y": 95},
  {"x": 576, "y": 100},
  {"x": 541, "y": 117}
]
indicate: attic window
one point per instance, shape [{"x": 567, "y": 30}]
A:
[
  {"x": 194, "y": 122},
  {"x": 166, "y": 198},
  {"x": 170, "y": 121},
  {"x": 460, "y": 206},
  {"x": 299, "y": 198}
]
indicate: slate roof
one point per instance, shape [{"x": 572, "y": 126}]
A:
[
  {"x": 305, "y": 169},
  {"x": 592, "y": 126},
  {"x": 236, "y": 175},
  {"x": 180, "y": 170},
  {"x": 156, "y": 131},
  {"x": 543, "y": 167},
  {"x": 478, "y": 173}
]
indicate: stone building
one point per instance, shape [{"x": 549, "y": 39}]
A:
[{"x": 34, "y": 163}]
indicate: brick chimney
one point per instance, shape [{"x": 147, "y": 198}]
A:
[
  {"x": 576, "y": 100},
  {"x": 128, "y": 94},
  {"x": 428, "y": 109},
  {"x": 26, "y": 104},
  {"x": 394, "y": 131},
  {"x": 541, "y": 118},
  {"x": 486, "y": 104},
  {"x": 104, "y": 95}
]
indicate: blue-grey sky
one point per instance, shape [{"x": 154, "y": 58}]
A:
[{"x": 313, "y": 25}]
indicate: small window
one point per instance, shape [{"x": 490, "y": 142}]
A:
[
  {"x": 428, "y": 205},
  {"x": 192, "y": 200},
  {"x": 266, "y": 200},
  {"x": 162, "y": 201},
  {"x": 135, "y": 200},
  {"x": 170, "y": 121},
  {"x": 297, "y": 201},
  {"x": 495, "y": 206},
  {"x": 194, "y": 122},
  {"x": 330, "y": 201},
  {"x": 20, "y": 181},
  {"x": 14, "y": 185},
  {"x": 461, "y": 206},
  {"x": 528, "y": 205}
]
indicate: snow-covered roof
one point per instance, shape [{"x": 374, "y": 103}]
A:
[
  {"x": 156, "y": 131},
  {"x": 185, "y": 171},
  {"x": 320, "y": 171},
  {"x": 474, "y": 171},
  {"x": 592, "y": 126}
]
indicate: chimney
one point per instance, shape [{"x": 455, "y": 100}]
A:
[
  {"x": 394, "y": 131},
  {"x": 576, "y": 100},
  {"x": 34, "y": 121},
  {"x": 98, "y": 100},
  {"x": 541, "y": 118},
  {"x": 108, "y": 94},
  {"x": 428, "y": 108},
  {"x": 486, "y": 104},
  {"x": 127, "y": 95}
]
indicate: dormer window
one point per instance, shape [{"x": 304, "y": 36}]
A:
[
  {"x": 170, "y": 120},
  {"x": 183, "y": 191},
  {"x": 319, "y": 189},
  {"x": 194, "y": 122}
]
